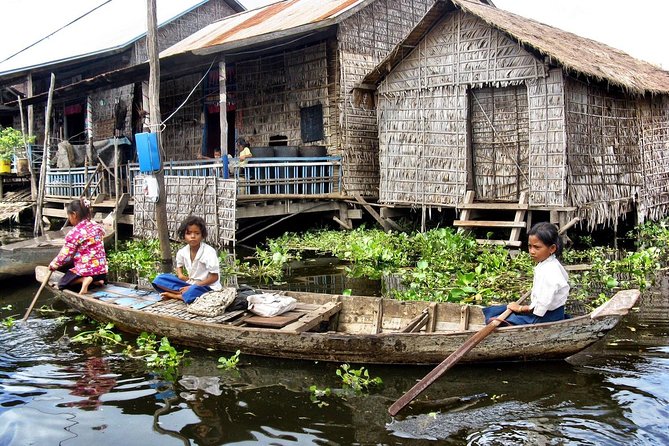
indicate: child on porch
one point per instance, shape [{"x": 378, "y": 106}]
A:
[
  {"x": 84, "y": 248},
  {"x": 200, "y": 262},
  {"x": 550, "y": 286}
]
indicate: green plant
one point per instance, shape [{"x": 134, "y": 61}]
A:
[
  {"x": 229, "y": 363},
  {"x": 12, "y": 143},
  {"x": 102, "y": 335},
  {"x": 8, "y": 322},
  {"x": 357, "y": 380},
  {"x": 317, "y": 395}
]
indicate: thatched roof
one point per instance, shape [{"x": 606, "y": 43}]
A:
[{"x": 574, "y": 53}]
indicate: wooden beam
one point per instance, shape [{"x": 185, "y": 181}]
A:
[
  {"x": 489, "y": 224},
  {"x": 385, "y": 224}
]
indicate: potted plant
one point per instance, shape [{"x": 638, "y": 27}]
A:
[{"x": 12, "y": 145}]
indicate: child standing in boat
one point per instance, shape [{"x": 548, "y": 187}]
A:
[
  {"x": 198, "y": 259},
  {"x": 550, "y": 286},
  {"x": 84, "y": 248}
]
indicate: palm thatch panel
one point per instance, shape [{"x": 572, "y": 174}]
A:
[
  {"x": 500, "y": 142},
  {"x": 547, "y": 157},
  {"x": 213, "y": 199},
  {"x": 463, "y": 49},
  {"x": 423, "y": 147},
  {"x": 364, "y": 39},
  {"x": 654, "y": 142},
  {"x": 271, "y": 90},
  {"x": 603, "y": 151},
  {"x": 182, "y": 134}
]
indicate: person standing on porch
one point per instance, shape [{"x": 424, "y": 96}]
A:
[
  {"x": 244, "y": 149},
  {"x": 197, "y": 265}
]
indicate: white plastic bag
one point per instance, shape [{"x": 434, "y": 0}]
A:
[{"x": 268, "y": 305}]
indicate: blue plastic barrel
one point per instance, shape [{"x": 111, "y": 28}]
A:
[{"x": 147, "y": 152}]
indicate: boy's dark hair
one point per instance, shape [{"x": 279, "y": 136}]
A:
[
  {"x": 189, "y": 221},
  {"x": 80, "y": 208},
  {"x": 242, "y": 142},
  {"x": 548, "y": 234}
]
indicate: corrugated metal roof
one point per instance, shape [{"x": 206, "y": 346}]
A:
[
  {"x": 113, "y": 26},
  {"x": 285, "y": 17}
]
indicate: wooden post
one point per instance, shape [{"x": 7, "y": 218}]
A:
[
  {"x": 154, "y": 113},
  {"x": 33, "y": 185},
  {"x": 117, "y": 191},
  {"x": 39, "y": 228},
  {"x": 223, "y": 107}
]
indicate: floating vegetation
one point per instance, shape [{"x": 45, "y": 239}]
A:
[
  {"x": 355, "y": 382},
  {"x": 229, "y": 363},
  {"x": 441, "y": 264}
]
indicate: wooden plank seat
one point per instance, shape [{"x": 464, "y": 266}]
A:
[{"x": 314, "y": 317}]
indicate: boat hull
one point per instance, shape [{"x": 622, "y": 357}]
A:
[
  {"x": 21, "y": 258},
  {"x": 553, "y": 340}
]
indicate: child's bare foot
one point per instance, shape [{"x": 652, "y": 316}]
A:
[
  {"x": 85, "y": 283},
  {"x": 170, "y": 295},
  {"x": 99, "y": 282}
]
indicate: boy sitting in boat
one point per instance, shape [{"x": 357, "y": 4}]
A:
[
  {"x": 550, "y": 287},
  {"x": 200, "y": 262}
]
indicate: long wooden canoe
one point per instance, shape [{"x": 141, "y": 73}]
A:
[
  {"x": 354, "y": 329},
  {"x": 21, "y": 258}
]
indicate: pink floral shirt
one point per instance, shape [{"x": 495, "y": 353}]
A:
[{"x": 84, "y": 245}]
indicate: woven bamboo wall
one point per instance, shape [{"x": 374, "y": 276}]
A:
[
  {"x": 182, "y": 134},
  {"x": 271, "y": 91},
  {"x": 213, "y": 199},
  {"x": 654, "y": 140},
  {"x": 365, "y": 39},
  {"x": 500, "y": 142},
  {"x": 548, "y": 158},
  {"x": 103, "y": 103},
  {"x": 603, "y": 152},
  {"x": 423, "y": 109},
  {"x": 420, "y": 165}
]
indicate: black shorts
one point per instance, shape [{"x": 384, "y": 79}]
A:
[{"x": 69, "y": 277}]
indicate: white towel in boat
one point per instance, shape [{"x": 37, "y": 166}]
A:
[{"x": 269, "y": 304}]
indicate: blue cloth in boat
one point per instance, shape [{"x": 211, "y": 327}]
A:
[
  {"x": 523, "y": 318},
  {"x": 171, "y": 282}
]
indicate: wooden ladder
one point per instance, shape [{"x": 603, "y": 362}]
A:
[{"x": 517, "y": 225}]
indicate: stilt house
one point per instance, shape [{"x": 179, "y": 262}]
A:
[
  {"x": 289, "y": 69},
  {"x": 94, "y": 44},
  {"x": 478, "y": 99}
]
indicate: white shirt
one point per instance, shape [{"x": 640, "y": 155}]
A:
[
  {"x": 550, "y": 287},
  {"x": 205, "y": 262}
]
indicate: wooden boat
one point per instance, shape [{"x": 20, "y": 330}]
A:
[
  {"x": 21, "y": 258},
  {"x": 353, "y": 329}
]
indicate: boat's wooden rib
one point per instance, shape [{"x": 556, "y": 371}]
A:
[{"x": 348, "y": 328}]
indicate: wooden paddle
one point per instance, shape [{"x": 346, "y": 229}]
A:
[
  {"x": 32, "y": 304},
  {"x": 454, "y": 357},
  {"x": 451, "y": 360}
]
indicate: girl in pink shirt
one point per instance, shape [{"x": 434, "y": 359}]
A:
[{"x": 83, "y": 251}]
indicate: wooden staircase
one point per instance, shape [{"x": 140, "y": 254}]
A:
[{"x": 466, "y": 222}]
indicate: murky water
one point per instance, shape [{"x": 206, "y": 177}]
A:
[{"x": 55, "y": 392}]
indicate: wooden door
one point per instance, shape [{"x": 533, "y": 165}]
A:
[{"x": 500, "y": 142}]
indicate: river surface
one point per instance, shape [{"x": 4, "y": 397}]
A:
[{"x": 53, "y": 392}]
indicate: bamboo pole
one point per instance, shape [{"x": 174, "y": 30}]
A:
[
  {"x": 39, "y": 227},
  {"x": 154, "y": 113}
]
